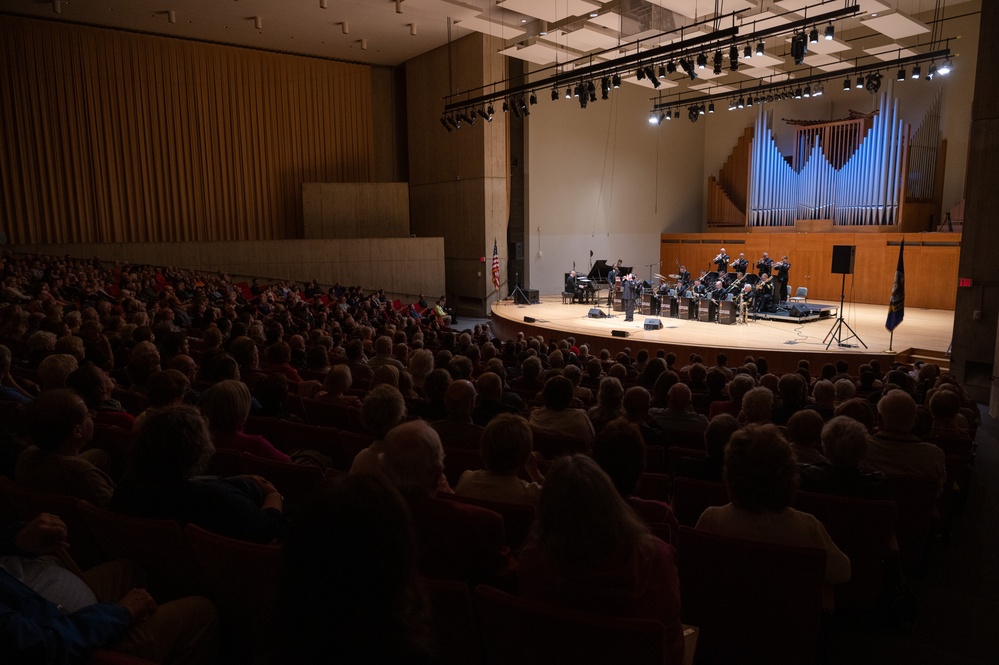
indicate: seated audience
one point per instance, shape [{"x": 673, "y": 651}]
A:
[
  {"x": 61, "y": 426},
  {"x": 95, "y": 387},
  {"x": 844, "y": 441},
  {"x": 894, "y": 450},
  {"x": 166, "y": 388},
  {"x": 458, "y": 430},
  {"x": 383, "y": 408},
  {"x": 10, "y": 389},
  {"x": 506, "y": 448},
  {"x": 457, "y": 541},
  {"x": 557, "y": 416},
  {"x": 609, "y": 403},
  {"x": 757, "y": 406},
  {"x": 716, "y": 437},
  {"x": 592, "y": 553},
  {"x": 679, "y": 414},
  {"x": 351, "y": 587},
  {"x": 737, "y": 388},
  {"x": 335, "y": 386},
  {"x": 172, "y": 448},
  {"x": 227, "y": 407},
  {"x": 761, "y": 478},
  {"x": 804, "y": 432},
  {"x": 52, "y": 614}
]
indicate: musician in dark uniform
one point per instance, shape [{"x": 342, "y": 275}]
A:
[
  {"x": 722, "y": 261},
  {"x": 740, "y": 264},
  {"x": 763, "y": 300},
  {"x": 699, "y": 289},
  {"x": 683, "y": 283},
  {"x": 765, "y": 265},
  {"x": 782, "y": 267},
  {"x": 628, "y": 291},
  {"x": 612, "y": 276},
  {"x": 571, "y": 286}
]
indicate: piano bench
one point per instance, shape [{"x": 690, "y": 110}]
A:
[{"x": 567, "y": 298}]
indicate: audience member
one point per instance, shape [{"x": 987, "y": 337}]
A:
[
  {"x": 506, "y": 448},
  {"x": 894, "y": 450},
  {"x": 227, "y": 407},
  {"x": 458, "y": 430},
  {"x": 844, "y": 442},
  {"x": 804, "y": 432},
  {"x": 679, "y": 414},
  {"x": 383, "y": 408},
  {"x": 557, "y": 416}
]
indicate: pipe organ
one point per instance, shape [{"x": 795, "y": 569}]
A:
[{"x": 866, "y": 188}]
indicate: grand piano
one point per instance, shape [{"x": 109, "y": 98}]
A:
[{"x": 596, "y": 279}]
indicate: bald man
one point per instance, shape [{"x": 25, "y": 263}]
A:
[
  {"x": 458, "y": 430},
  {"x": 895, "y": 450},
  {"x": 679, "y": 414}
]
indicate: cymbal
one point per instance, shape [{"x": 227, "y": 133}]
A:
[
  {"x": 659, "y": 277},
  {"x": 672, "y": 276}
]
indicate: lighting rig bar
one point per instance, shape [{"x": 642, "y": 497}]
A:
[{"x": 715, "y": 39}]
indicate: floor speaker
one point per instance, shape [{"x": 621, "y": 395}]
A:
[
  {"x": 595, "y": 313},
  {"x": 620, "y": 333},
  {"x": 653, "y": 324}
]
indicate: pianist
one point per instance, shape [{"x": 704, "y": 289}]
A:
[{"x": 573, "y": 286}]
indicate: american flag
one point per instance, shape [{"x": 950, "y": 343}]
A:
[{"x": 496, "y": 275}]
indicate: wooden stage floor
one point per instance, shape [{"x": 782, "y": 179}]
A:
[{"x": 929, "y": 329}]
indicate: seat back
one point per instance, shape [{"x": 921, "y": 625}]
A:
[
  {"x": 452, "y": 623},
  {"x": 653, "y": 486},
  {"x": 517, "y": 518},
  {"x": 325, "y": 414},
  {"x": 459, "y": 460},
  {"x": 224, "y": 463},
  {"x": 353, "y": 443},
  {"x": 914, "y": 501},
  {"x": 552, "y": 444},
  {"x": 157, "y": 545},
  {"x": 753, "y": 602},
  {"x": 289, "y": 436},
  {"x": 692, "y": 496},
  {"x": 244, "y": 581},
  {"x": 862, "y": 529},
  {"x": 516, "y": 630},
  {"x": 297, "y": 482},
  {"x": 802, "y": 292}
]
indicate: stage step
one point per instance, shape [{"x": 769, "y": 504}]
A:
[{"x": 939, "y": 358}]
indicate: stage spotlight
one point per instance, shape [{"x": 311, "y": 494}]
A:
[
  {"x": 718, "y": 63},
  {"x": 761, "y": 49},
  {"x": 688, "y": 68},
  {"x": 711, "y": 107},
  {"x": 649, "y": 73},
  {"x": 640, "y": 74},
  {"x": 813, "y": 36},
  {"x": 733, "y": 58},
  {"x": 731, "y": 105},
  {"x": 554, "y": 94},
  {"x": 702, "y": 61},
  {"x": 568, "y": 93},
  {"x": 930, "y": 74},
  {"x": 469, "y": 117},
  {"x": 523, "y": 107},
  {"x": 454, "y": 123},
  {"x": 692, "y": 114},
  {"x": 616, "y": 81},
  {"x": 741, "y": 103},
  {"x": 444, "y": 122},
  {"x": 584, "y": 98},
  {"x": 846, "y": 83},
  {"x": 747, "y": 52},
  {"x": 830, "y": 32},
  {"x": 662, "y": 71},
  {"x": 671, "y": 67},
  {"x": 873, "y": 83},
  {"x": 676, "y": 115},
  {"x": 485, "y": 116},
  {"x": 797, "y": 93},
  {"x": 749, "y": 101},
  {"x": 799, "y": 47},
  {"x": 808, "y": 91},
  {"x": 605, "y": 88},
  {"x": 819, "y": 90},
  {"x": 669, "y": 116},
  {"x": 945, "y": 67},
  {"x": 700, "y": 110},
  {"x": 770, "y": 98},
  {"x": 506, "y": 106},
  {"x": 916, "y": 72},
  {"x": 900, "y": 76},
  {"x": 591, "y": 90},
  {"x": 653, "y": 118},
  {"x": 534, "y": 98},
  {"x": 860, "y": 83}
]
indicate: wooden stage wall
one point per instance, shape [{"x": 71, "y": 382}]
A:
[
  {"x": 931, "y": 262},
  {"x": 401, "y": 266}
]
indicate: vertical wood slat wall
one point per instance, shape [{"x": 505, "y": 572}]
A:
[{"x": 108, "y": 136}]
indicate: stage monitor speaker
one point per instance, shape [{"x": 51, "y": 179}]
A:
[
  {"x": 595, "y": 313},
  {"x": 798, "y": 310},
  {"x": 529, "y": 297},
  {"x": 653, "y": 324},
  {"x": 529, "y": 319},
  {"x": 620, "y": 333},
  {"x": 842, "y": 259}
]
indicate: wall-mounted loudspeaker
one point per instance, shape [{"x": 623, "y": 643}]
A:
[
  {"x": 620, "y": 333},
  {"x": 842, "y": 259},
  {"x": 653, "y": 324},
  {"x": 595, "y": 313}
]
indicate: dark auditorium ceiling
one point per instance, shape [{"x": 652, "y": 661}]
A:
[{"x": 389, "y": 32}]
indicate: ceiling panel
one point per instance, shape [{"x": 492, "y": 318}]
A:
[
  {"x": 539, "y": 53},
  {"x": 836, "y": 66},
  {"x": 890, "y": 52},
  {"x": 490, "y": 28},
  {"x": 588, "y": 39},
  {"x": 896, "y": 26},
  {"x": 551, "y": 10},
  {"x": 696, "y": 8}
]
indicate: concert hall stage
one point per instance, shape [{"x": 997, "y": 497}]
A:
[{"x": 782, "y": 341}]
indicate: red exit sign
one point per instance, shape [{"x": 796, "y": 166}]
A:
[{"x": 964, "y": 281}]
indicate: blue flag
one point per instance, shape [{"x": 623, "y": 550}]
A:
[{"x": 896, "y": 306}]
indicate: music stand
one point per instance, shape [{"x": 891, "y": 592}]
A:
[{"x": 836, "y": 332}]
